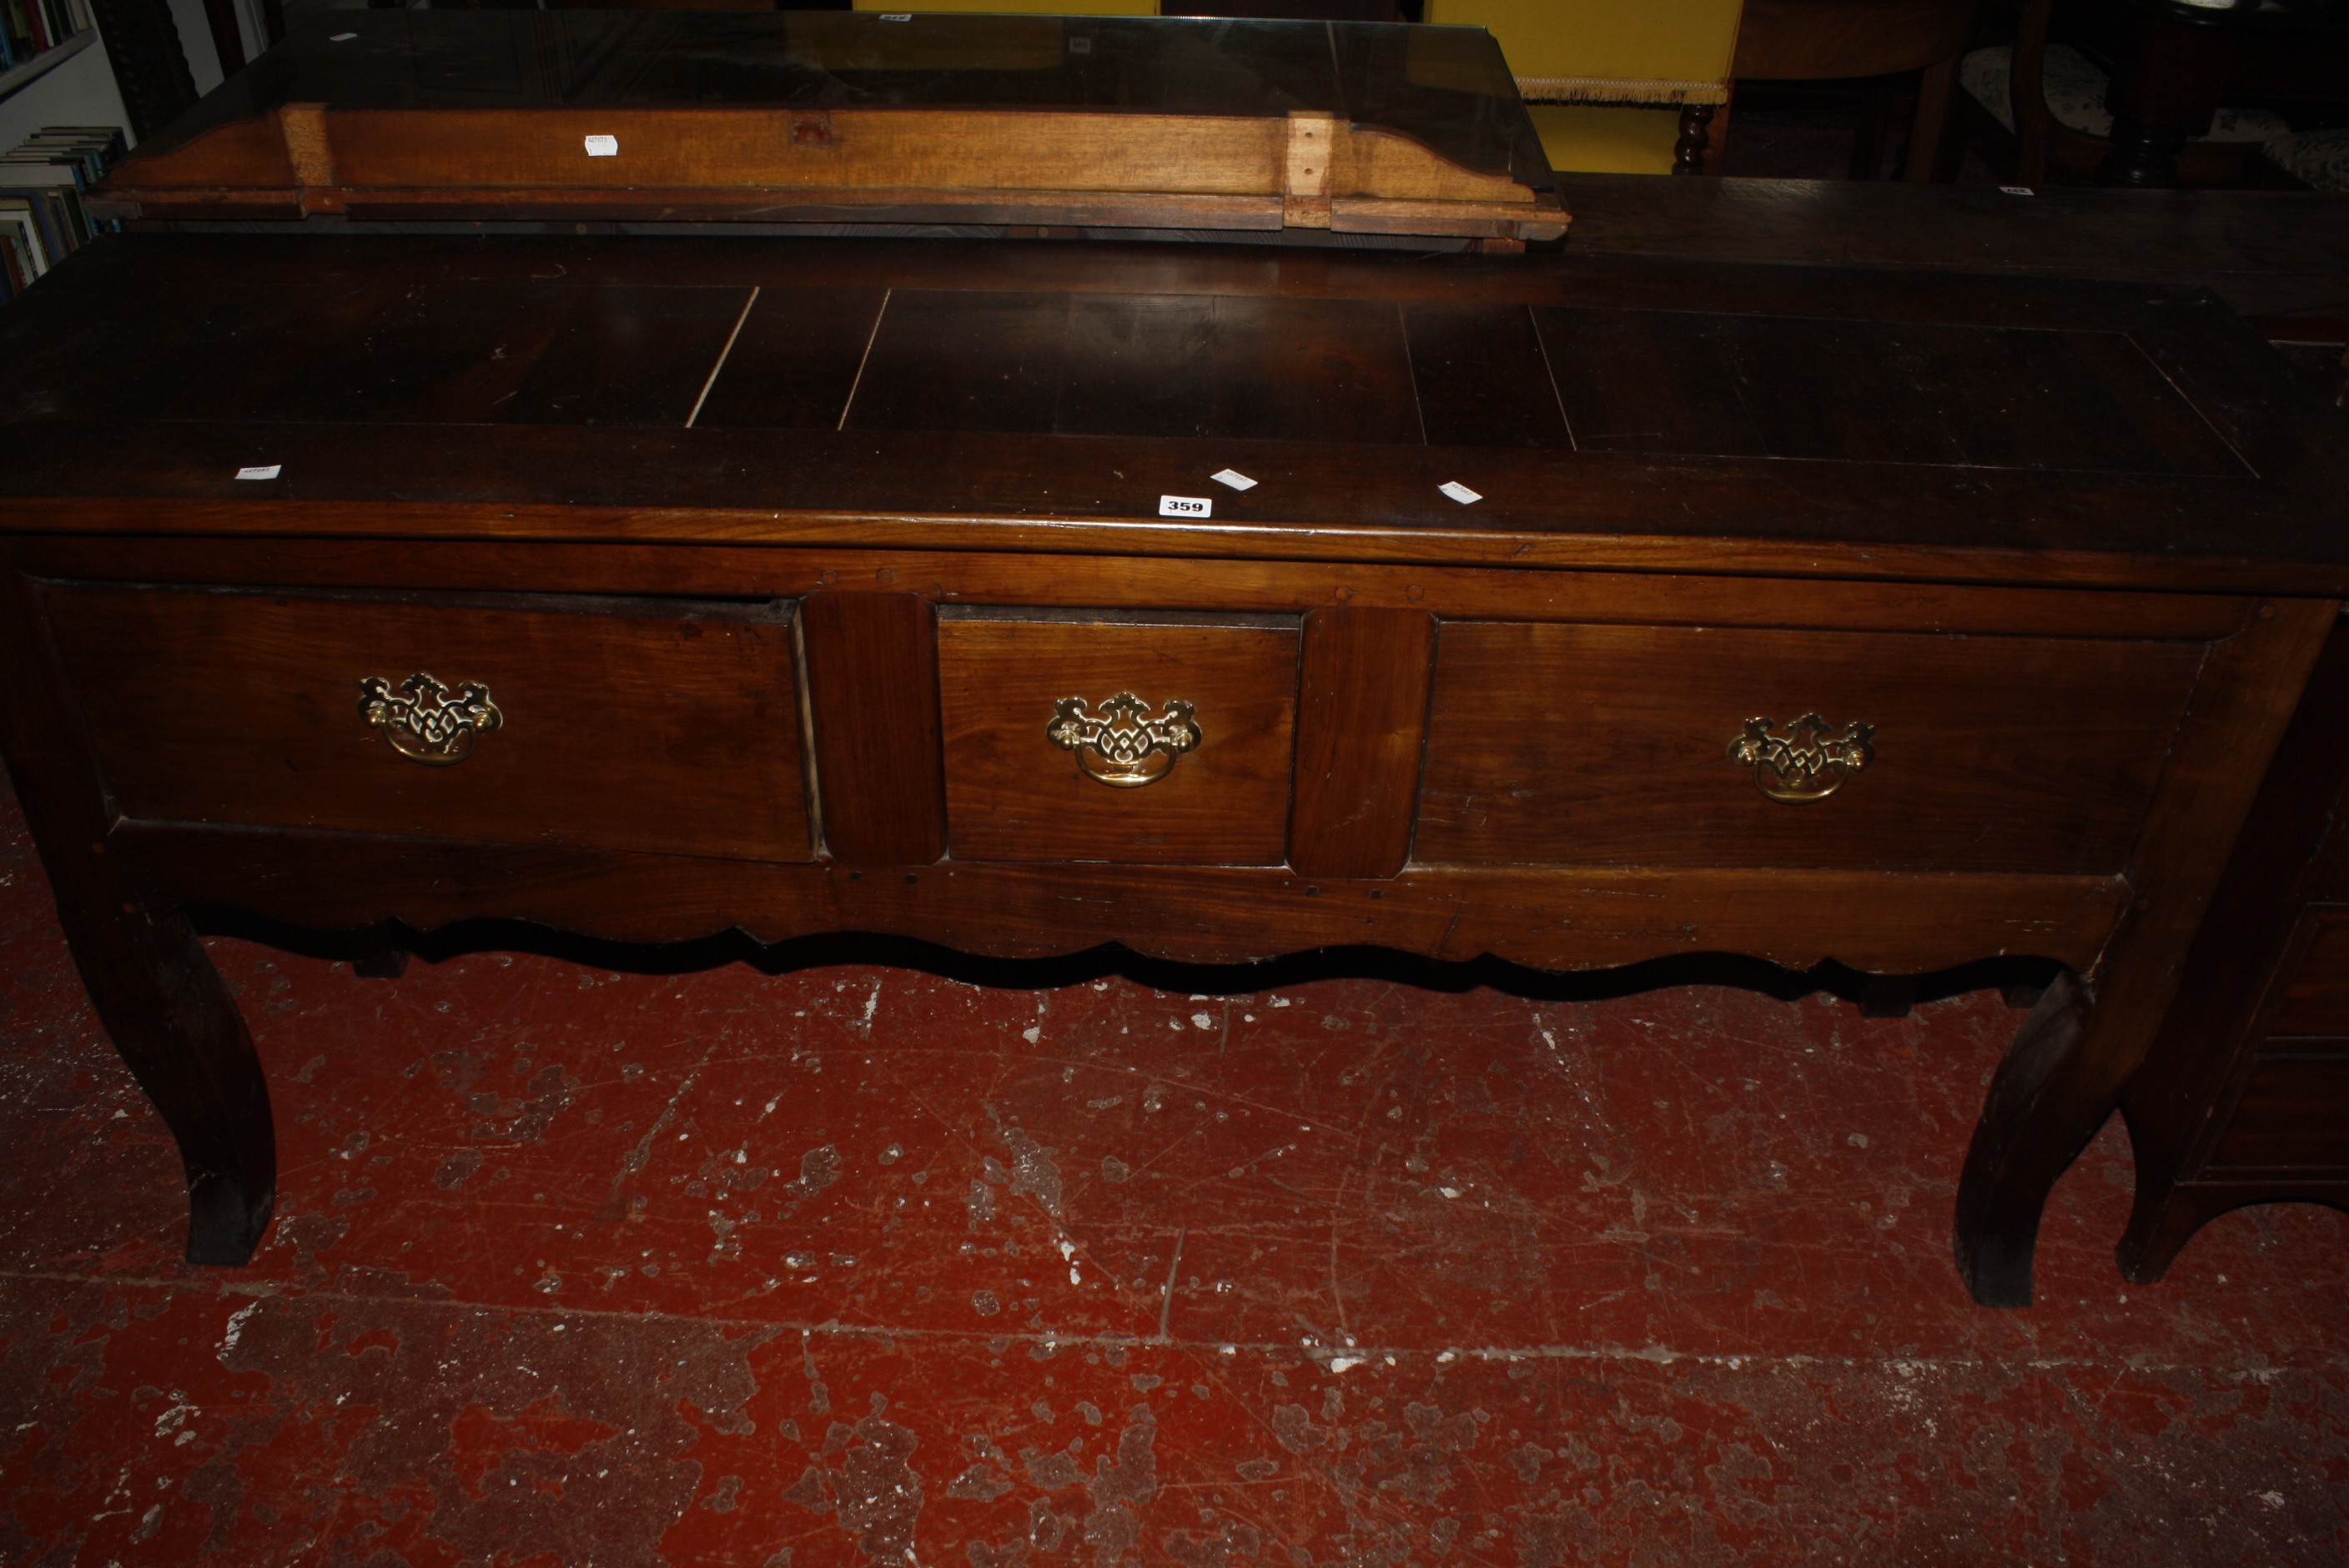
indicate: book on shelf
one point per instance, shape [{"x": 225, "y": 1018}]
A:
[
  {"x": 29, "y": 28},
  {"x": 41, "y": 185}
]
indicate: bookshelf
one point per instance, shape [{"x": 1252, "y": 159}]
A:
[{"x": 36, "y": 36}]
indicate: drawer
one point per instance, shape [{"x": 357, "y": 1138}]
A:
[
  {"x": 2315, "y": 1000},
  {"x": 1085, "y": 737},
  {"x": 620, "y": 724},
  {"x": 2294, "y": 1114},
  {"x": 1613, "y": 744}
]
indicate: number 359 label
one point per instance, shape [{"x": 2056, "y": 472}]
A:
[{"x": 1186, "y": 506}]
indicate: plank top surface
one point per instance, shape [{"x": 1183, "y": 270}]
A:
[
  {"x": 1631, "y": 411},
  {"x": 1446, "y": 88},
  {"x": 2265, "y": 252}
]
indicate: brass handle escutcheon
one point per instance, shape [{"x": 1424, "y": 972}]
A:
[
  {"x": 1809, "y": 762},
  {"x": 1124, "y": 745},
  {"x": 425, "y": 721}
]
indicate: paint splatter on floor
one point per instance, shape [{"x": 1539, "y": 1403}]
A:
[{"x": 858, "y": 1266}]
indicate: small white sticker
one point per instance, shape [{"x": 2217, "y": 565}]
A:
[
  {"x": 1459, "y": 492},
  {"x": 897, "y": 16},
  {"x": 1235, "y": 478},
  {"x": 602, "y": 146},
  {"x": 342, "y": 37},
  {"x": 1186, "y": 506},
  {"x": 2018, "y": 190},
  {"x": 267, "y": 472}
]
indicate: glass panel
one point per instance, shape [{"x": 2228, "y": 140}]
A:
[{"x": 1446, "y": 87}]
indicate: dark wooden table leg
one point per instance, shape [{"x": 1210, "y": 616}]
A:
[
  {"x": 2164, "y": 94},
  {"x": 2040, "y": 1115},
  {"x": 1696, "y": 132},
  {"x": 376, "y": 955},
  {"x": 2071, "y": 1061},
  {"x": 179, "y": 1029},
  {"x": 2164, "y": 1220},
  {"x": 154, "y": 988}
]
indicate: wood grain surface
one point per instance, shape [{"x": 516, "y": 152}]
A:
[
  {"x": 1873, "y": 921},
  {"x": 1012, "y": 794},
  {"x": 1832, "y": 423},
  {"x": 872, "y": 698},
  {"x": 658, "y": 727},
  {"x": 2288, "y": 1116},
  {"x": 1608, "y": 745},
  {"x": 1362, "y": 733}
]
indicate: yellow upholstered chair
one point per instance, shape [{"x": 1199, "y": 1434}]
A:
[{"x": 1615, "y": 87}]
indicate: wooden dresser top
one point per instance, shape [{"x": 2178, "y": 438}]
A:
[{"x": 1624, "y": 412}]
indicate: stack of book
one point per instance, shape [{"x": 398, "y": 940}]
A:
[
  {"x": 41, "y": 216},
  {"x": 27, "y": 27}
]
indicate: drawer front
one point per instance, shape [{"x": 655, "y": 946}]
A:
[
  {"x": 2315, "y": 999},
  {"x": 620, "y": 725},
  {"x": 1043, "y": 763},
  {"x": 1613, "y": 744},
  {"x": 2293, "y": 1115}
]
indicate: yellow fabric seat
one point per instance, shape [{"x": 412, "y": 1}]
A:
[
  {"x": 1606, "y": 82},
  {"x": 1607, "y": 139}
]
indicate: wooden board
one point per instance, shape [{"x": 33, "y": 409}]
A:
[{"x": 1166, "y": 124}]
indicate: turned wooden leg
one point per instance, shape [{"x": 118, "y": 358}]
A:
[
  {"x": 154, "y": 988},
  {"x": 1687, "y": 153},
  {"x": 2043, "y": 1110}
]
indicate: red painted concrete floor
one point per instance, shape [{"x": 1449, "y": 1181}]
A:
[{"x": 855, "y": 1265}]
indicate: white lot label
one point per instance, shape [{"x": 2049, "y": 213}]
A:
[
  {"x": 1459, "y": 492},
  {"x": 342, "y": 37},
  {"x": 1186, "y": 506},
  {"x": 1235, "y": 478},
  {"x": 602, "y": 146},
  {"x": 269, "y": 473}
]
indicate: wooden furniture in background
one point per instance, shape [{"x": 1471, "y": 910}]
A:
[
  {"x": 2165, "y": 124},
  {"x": 652, "y": 588},
  {"x": 150, "y": 68},
  {"x": 2174, "y": 59},
  {"x": 1304, "y": 131},
  {"x": 2245, "y": 1095},
  {"x": 1839, "y": 40},
  {"x": 1613, "y": 88}
]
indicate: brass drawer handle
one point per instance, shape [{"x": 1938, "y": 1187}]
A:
[
  {"x": 426, "y": 723},
  {"x": 1809, "y": 762},
  {"x": 1124, "y": 745}
]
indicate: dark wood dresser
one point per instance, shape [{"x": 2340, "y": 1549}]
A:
[
  {"x": 1223, "y": 603},
  {"x": 2245, "y": 1095}
]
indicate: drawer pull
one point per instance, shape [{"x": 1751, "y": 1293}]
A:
[
  {"x": 1124, "y": 745},
  {"x": 425, "y": 721},
  {"x": 1809, "y": 762}
]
